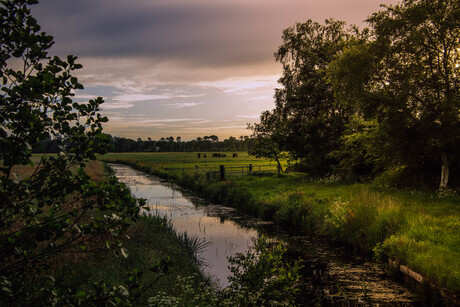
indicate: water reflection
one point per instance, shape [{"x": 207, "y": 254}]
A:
[
  {"x": 331, "y": 275},
  {"x": 225, "y": 236}
]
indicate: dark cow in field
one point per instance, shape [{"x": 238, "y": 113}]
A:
[{"x": 235, "y": 155}]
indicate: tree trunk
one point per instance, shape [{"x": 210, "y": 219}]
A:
[
  {"x": 444, "y": 172},
  {"x": 280, "y": 169}
]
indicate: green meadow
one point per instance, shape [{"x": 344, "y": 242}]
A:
[
  {"x": 189, "y": 161},
  {"x": 418, "y": 229}
]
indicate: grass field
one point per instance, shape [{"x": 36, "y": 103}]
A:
[
  {"x": 419, "y": 229},
  {"x": 94, "y": 169},
  {"x": 190, "y": 163}
]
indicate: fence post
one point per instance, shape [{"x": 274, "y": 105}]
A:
[
  {"x": 250, "y": 167},
  {"x": 222, "y": 172}
]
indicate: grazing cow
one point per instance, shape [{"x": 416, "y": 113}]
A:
[{"x": 199, "y": 155}]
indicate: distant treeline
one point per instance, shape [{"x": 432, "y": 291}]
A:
[{"x": 164, "y": 144}]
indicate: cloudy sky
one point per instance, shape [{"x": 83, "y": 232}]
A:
[{"x": 184, "y": 68}]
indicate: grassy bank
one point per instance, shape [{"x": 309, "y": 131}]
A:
[
  {"x": 419, "y": 229},
  {"x": 150, "y": 243},
  {"x": 153, "y": 257}
]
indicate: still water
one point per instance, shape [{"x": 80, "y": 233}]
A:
[
  {"x": 332, "y": 273},
  {"x": 225, "y": 237}
]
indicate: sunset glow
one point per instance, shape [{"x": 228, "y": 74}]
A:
[{"x": 181, "y": 68}]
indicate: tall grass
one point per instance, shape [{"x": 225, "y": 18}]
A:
[
  {"x": 384, "y": 225},
  {"x": 194, "y": 247},
  {"x": 365, "y": 219},
  {"x": 148, "y": 242},
  {"x": 431, "y": 245}
]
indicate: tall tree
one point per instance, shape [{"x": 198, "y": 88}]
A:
[
  {"x": 305, "y": 103},
  {"x": 407, "y": 77}
]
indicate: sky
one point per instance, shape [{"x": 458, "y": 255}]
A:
[{"x": 185, "y": 68}]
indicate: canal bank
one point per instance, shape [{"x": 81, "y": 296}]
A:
[
  {"x": 331, "y": 273},
  {"x": 427, "y": 244}
]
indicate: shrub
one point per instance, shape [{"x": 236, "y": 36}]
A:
[{"x": 261, "y": 277}]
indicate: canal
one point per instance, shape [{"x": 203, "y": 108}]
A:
[{"x": 331, "y": 274}]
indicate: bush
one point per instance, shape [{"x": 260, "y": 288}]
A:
[{"x": 262, "y": 278}]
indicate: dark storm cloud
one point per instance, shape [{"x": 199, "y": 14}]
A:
[{"x": 208, "y": 32}]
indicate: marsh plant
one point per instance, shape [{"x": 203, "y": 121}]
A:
[
  {"x": 194, "y": 246},
  {"x": 365, "y": 220}
]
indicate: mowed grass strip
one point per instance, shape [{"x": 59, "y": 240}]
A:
[{"x": 419, "y": 229}]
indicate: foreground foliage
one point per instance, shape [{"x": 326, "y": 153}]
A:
[
  {"x": 262, "y": 277},
  {"x": 57, "y": 211}
]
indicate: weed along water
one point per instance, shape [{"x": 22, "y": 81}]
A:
[{"x": 330, "y": 274}]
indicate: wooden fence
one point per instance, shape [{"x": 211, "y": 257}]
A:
[
  {"x": 225, "y": 172},
  {"x": 222, "y": 172}
]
